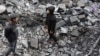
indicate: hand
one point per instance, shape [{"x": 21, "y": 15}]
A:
[
  {"x": 46, "y": 30},
  {"x": 51, "y": 31}
]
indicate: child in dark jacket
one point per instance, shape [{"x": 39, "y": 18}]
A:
[
  {"x": 11, "y": 33},
  {"x": 51, "y": 23}
]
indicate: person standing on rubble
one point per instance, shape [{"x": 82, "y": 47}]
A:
[
  {"x": 51, "y": 23},
  {"x": 11, "y": 33}
]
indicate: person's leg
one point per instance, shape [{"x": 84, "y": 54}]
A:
[
  {"x": 10, "y": 49},
  {"x": 53, "y": 36},
  {"x": 52, "y": 31},
  {"x": 14, "y": 47}
]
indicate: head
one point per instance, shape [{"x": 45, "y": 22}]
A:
[
  {"x": 50, "y": 10},
  {"x": 14, "y": 18}
]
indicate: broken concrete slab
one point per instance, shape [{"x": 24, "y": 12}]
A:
[
  {"x": 61, "y": 43},
  {"x": 64, "y": 30},
  {"x": 60, "y": 23},
  {"x": 73, "y": 19},
  {"x": 1, "y": 1},
  {"x": 88, "y": 9},
  {"x": 81, "y": 16},
  {"x": 2, "y": 8},
  {"x": 10, "y": 9},
  {"x": 34, "y": 43},
  {"x": 63, "y": 6},
  {"x": 75, "y": 33},
  {"x": 80, "y": 4}
]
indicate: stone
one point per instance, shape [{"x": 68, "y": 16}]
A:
[
  {"x": 42, "y": 32},
  {"x": 87, "y": 8},
  {"x": 66, "y": 18},
  {"x": 53, "y": 54},
  {"x": 75, "y": 33},
  {"x": 64, "y": 30},
  {"x": 62, "y": 6},
  {"x": 61, "y": 43},
  {"x": 34, "y": 43},
  {"x": 81, "y": 16},
  {"x": 25, "y": 43},
  {"x": 50, "y": 50},
  {"x": 80, "y": 4},
  {"x": 92, "y": 19},
  {"x": 42, "y": 6},
  {"x": 73, "y": 19},
  {"x": 60, "y": 23},
  {"x": 40, "y": 11},
  {"x": 75, "y": 12},
  {"x": 10, "y": 9},
  {"x": 2, "y": 8},
  {"x": 29, "y": 22},
  {"x": 27, "y": 54},
  {"x": 69, "y": 41},
  {"x": 1, "y": 1},
  {"x": 42, "y": 54},
  {"x": 58, "y": 16},
  {"x": 65, "y": 55}
]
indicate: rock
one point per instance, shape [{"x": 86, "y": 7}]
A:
[
  {"x": 29, "y": 22},
  {"x": 2, "y": 8},
  {"x": 75, "y": 12},
  {"x": 40, "y": 11},
  {"x": 80, "y": 4},
  {"x": 69, "y": 41},
  {"x": 88, "y": 9},
  {"x": 92, "y": 19},
  {"x": 60, "y": 23},
  {"x": 62, "y": 6},
  {"x": 66, "y": 18},
  {"x": 65, "y": 55},
  {"x": 73, "y": 19},
  {"x": 25, "y": 43},
  {"x": 81, "y": 16},
  {"x": 27, "y": 54},
  {"x": 53, "y": 54},
  {"x": 49, "y": 50},
  {"x": 1, "y": 1},
  {"x": 10, "y": 9},
  {"x": 64, "y": 30},
  {"x": 75, "y": 33},
  {"x": 42, "y": 54},
  {"x": 35, "y": 1},
  {"x": 61, "y": 43},
  {"x": 42, "y": 6},
  {"x": 34, "y": 43},
  {"x": 58, "y": 16}
]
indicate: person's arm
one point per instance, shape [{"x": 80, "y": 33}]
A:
[{"x": 7, "y": 32}]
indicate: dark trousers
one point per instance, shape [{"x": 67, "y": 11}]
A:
[
  {"x": 12, "y": 46},
  {"x": 52, "y": 36},
  {"x": 51, "y": 30}
]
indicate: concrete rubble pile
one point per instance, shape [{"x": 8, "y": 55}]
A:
[{"x": 77, "y": 28}]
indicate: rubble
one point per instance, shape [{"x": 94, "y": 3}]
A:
[
  {"x": 34, "y": 43},
  {"x": 75, "y": 33},
  {"x": 77, "y": 19}
]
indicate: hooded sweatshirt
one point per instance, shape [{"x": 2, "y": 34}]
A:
[
  {"x": 51, "y": 19},
  {"x": 11, "y": 32}
]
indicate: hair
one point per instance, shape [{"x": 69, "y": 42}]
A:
[
  {"x": 51, "y": 9},
  {"x": 13, "y": 16}
]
